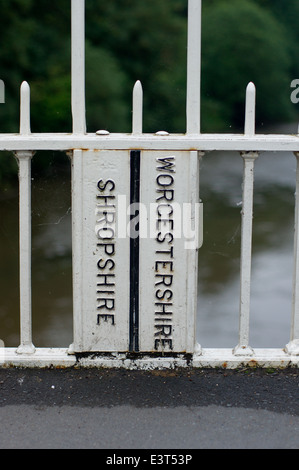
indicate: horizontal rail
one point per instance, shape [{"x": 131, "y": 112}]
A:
[
  {"x": 202, "y": 142},
  {"x": 208, "y": 358}
]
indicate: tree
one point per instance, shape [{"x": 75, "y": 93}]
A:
[
  {"x": 287, "y": 13},
  {"x": 149, "y": 39},
  {"x": 244, "y": 42}
]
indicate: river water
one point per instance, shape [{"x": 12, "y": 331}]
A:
[{"x": 219, "y": 258}]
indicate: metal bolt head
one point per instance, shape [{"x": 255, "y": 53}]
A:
[{"x": 102, "y": 132}]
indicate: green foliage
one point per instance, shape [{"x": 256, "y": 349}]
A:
[
  {"x": 107, "y": 106},
  {"x": 129, "y": 40},
  {"x": 243, "y": 42},
  {"x": 149, "y": 41}
]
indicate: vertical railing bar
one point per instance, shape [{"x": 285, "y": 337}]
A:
[
  {"x": 243, "y": 347},
  {"x": 137, "y": 124},
  {"x": 249, "y": 158},
  {"x": 76, "y": 157},
  {"x": 192, "y": 282},
  {"x": 292, "y": 347},
  {"x": 25, "y": 128},
  {"x": 24, "y": 161},
  {"x": 78, "y": 67},
  {"x": 250, "y": 110},
  {"x": 194, "y": 66},
  {"x": 79, "y": 127}
]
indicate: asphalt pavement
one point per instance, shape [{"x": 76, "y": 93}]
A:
[{"x": 170, "y": 411}]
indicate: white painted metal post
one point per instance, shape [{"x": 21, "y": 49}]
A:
[
  {"x": 250, "y": 110},
  {"x": 77, "y": 236},
  {"x": 137, "y": 109},
  {"x": 168, "y": 251},
  {"x": 24, "y": 160},
  {"x": 78, "y": 67},
  {"x": 193, "y": 110},
  {"x": 101, "y": 259},
  {"x": 2, "y": 92},
  {"x": 249, "y": 158},
  {"x": 26, "y": 346},
  {"x": 25, "y": 110},
  {"x": 292, "y": 347},
  {"x": 192, "y": 276},
  {"x": 243, "y": 347},
  {"x": 194, "y": 66}
]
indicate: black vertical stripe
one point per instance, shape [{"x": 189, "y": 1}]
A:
[{"x": 134, "y": 252}]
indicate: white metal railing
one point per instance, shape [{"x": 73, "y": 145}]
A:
[{"x": 249, "y": 144}]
